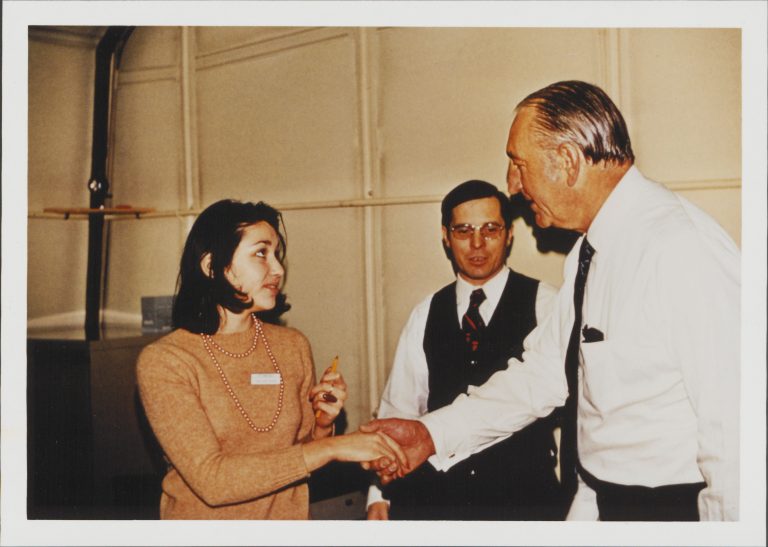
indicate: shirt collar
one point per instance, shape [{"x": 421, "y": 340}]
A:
[
  {"x": 493, "y": 288},
  {"x": 607, "y": 227}
]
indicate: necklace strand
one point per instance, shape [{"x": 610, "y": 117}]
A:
[
  {"x": 234, "y": 355},
  {"x": 259, "y": 333}
]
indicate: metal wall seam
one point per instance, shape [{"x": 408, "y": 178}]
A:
[
  {"x": 189, "y": 125},
  {"x": 374, "y": 301}
]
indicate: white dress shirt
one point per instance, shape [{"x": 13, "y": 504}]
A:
[
  {"x": 407, "y": 390},
  {"x": 659, "y": 396}
]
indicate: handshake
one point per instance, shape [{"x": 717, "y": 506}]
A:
[{"x": 411, "y": 446}]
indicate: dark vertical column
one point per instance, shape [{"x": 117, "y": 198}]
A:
[{"x": 98, "y": 185}]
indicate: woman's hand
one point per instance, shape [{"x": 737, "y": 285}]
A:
[
  {"x": 328, "y": 398},
  {"x": 355, "y": 447}
]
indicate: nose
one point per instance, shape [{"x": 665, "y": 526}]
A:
[
  {"x": 477, "y": 239},
  {"x": 514, "y": 183},
  {"x": 276, "y": 268}
]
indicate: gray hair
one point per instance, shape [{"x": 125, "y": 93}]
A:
[{"x": 581, "y": 113}]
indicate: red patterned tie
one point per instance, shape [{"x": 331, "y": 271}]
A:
[{"x": 472, "y": 323}]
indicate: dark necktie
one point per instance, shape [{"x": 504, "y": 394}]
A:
[
  {"x": 569, "y": 456},
  {"x": 472, "y": 323}
]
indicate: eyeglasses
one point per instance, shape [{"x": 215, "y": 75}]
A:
[{"x": 489, "y": 230}]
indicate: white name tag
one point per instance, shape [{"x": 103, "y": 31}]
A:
[{"x": 265, "y": 379}]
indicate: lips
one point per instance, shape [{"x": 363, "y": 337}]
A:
[
  {"x": 274, "y": 288},
  {"x": 477, "y": 260}
]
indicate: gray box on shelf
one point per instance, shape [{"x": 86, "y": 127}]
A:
[{"x": 156, "y": 313}]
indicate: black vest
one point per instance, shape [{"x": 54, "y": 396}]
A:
[{"x": 511, "y": 480}]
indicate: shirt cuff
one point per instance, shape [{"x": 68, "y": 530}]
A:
[
  {"x": 712, "y": 507},
  {"x": 443, "y": 458},
  {"x": 375, "y": 495}
]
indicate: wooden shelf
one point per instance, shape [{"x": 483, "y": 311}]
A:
[{"x": 86, "y": 211}]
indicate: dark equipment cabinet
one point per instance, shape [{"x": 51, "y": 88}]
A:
[
  {"x": 59, "y": 455},
  {"x": 91, "y": 453}
]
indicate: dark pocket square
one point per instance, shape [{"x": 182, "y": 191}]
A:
[{"x": 591, "y": 334}]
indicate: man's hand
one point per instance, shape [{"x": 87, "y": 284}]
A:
[
  {"x": 412, "y": 436},
  {"x": 378, "y": 511}
]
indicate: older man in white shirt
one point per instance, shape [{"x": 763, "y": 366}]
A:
[{"x": 643, "y": 345}]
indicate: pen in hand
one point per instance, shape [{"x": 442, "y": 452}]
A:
[{"x": 328, "y": 396}]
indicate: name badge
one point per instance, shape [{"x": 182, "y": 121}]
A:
[{"x": 265, "y": 379}]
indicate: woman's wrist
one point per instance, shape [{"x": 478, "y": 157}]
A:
[
  {"x": 317, "y": 453},
  {"x": 321, "y": 432}
]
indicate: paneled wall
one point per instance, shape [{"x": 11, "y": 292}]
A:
[
  {"x": 356, "y": 133},
  {"x": 60, "y": 114}
]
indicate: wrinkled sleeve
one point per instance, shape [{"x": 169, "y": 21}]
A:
[
  {"x": 310, "y": 379},
  {"x": 407, "y": 390},
  {"x": 546, "y": 300},
  {"x": 699, "y": 288},
  {"x": 169, "y": 393}
]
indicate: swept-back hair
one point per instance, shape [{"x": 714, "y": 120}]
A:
[
  {"x": 583, "y": 114},
  {"x": 218, "y": 231}
]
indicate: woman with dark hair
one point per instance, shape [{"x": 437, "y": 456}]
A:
[{"x": 232, "y": 398}]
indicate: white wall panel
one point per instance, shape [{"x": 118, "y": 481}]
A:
[
  {"x": 60, "y": 112},
  {"x": 211, "y": 40},
  {"x": 151, "y": 47},
  {"x": 325, "y": 278},
  {"x": 447, "y": 97},
  {"x": 59, "y": 161},
  {"x": 143, "y": 261},
  {"x": 281, "y": 126},
  {"x": 147, "y": 160},
  {"x": 57, "y": 255},
  {"x": 685, "y": 106}
]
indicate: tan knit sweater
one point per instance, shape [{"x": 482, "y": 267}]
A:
[{"x": 221, "y": 468}]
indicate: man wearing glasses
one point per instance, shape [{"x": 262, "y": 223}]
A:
[{"x": 459, "y": 337}]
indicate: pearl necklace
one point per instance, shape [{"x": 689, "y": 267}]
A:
[
  {"x": 237, "y": 355},
  {"x": 208, "y": 343}
]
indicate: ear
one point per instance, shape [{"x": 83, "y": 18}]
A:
[
  {"x": 572, "y": 161},
  {"x": 448, "y": 251},
  {"x": 205, "y": 265},
  {"x": 510, "y": 234},
  {"x": 231, "y": 277}
]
